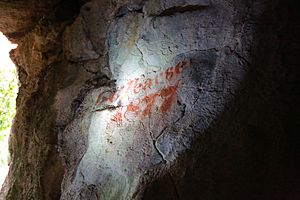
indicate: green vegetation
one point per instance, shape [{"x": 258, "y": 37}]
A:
[{"x": 8, "y": 93}]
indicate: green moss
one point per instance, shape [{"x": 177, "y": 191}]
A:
[{"x": 8, "y": 93}]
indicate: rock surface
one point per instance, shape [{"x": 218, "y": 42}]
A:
[{"x": 157, "y": 99}]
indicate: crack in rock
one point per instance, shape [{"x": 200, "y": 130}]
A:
[
  {"x": 154, "y": 140},
  {"x": 129, "y": 9},
  {"x": 183, "y": 110},
  {"x": 109, "y": 107},
  {"x": 181, "y": 9}
]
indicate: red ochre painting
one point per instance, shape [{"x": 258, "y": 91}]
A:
[{"x": 138, "y": 96}]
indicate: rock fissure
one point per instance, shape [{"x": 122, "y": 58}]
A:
[
  {"x": 155, "y": 139},
  {"x": 160, "y": 153},
  {"x": 181, "y": 9},
  {"x": 129, "y": 9}
]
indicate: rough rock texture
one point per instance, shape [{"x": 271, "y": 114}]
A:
[{"x": 156, "y": 99}]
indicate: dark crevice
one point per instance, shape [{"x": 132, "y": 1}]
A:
[
  {"x": 182, "y": 111},
  {"x": 129, "y": 9},
  {"x": 161, "y": 133},
  {"x": 181, "y": 9},
  {"x": 66, "y": 10},
  {"x": 89, "y": 37},
  {"x": 175, "y": 187},
  {"x": 19, "y": 34},
  {"x": 109, "y": 107},
  {"x": 242, "y": 58}
]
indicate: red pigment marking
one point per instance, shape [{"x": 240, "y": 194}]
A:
[
  {"x": 169, "y": 73},
  {"x": 149, "y": 100},
  {"x": 132, "y": 108},
  {"x": 156, "y": 79},
  {"x": 110, "y": 98},
  {"x": 143, "y": 106},
  {"x": 170, "y": 94},
  {"x": 148, "y": 83},
  {"x": 137, "y": 88},
  {"x": 99, "y": 97},
  {"x": 130, "y": 83},
  {"x": 177, "y": 68},
  {"x": 118, "y": 117}
]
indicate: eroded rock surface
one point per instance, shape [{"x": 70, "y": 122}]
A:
[{"x": 157, "y": 99}]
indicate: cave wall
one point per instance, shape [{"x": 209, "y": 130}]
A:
[{"x": 156, "y": 99}]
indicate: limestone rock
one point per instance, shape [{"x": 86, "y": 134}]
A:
[
  {"x": 77, "y": 46},
  {"x": 157, "y": 99}
]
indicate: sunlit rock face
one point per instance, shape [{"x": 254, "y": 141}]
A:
[
  {"x": 166, "y": 85},
  {"x": 156, "y": 99}
]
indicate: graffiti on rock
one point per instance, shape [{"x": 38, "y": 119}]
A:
[{"x": 139, "y": 96}]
